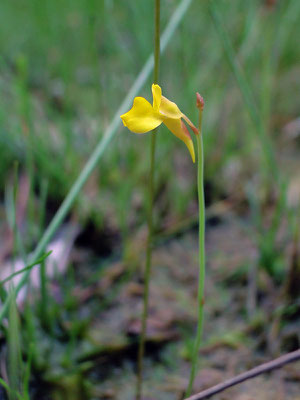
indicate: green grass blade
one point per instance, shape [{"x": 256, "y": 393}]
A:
[
  {"x": 14, "y": 350},
  {"x": 9, "y": 390},
  {"x": 27, "y": 268},
  {"x": 288, "y": 21},
  {"x": 26, "y": 395}
]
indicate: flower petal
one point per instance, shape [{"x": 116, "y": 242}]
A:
[
  {"x": 169, "y": 109},
  {"x": 156, "y": 92},
  {"x": 142, "y": 117},
  {"x": 178, "y": 128}
]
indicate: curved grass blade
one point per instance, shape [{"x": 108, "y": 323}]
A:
[
  {"x": 27, "y": 268},
  {"x": 9, "y": 390}
]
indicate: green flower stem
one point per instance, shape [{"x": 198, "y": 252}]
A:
[
  {"x": 201, "y": 205},
  {"x": 100, "y": 149},
  {"x": 144, "y": 317}
]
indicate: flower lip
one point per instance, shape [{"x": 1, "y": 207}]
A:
[{"x": 141, "y": 118}]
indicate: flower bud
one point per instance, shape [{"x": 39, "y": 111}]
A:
[{"x": 200, "y": 101}]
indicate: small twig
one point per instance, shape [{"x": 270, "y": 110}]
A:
[{"x": 266, "y": 367}]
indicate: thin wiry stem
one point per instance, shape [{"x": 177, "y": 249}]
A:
[
  {"x": 141, "y": 350},
  {"x": 201, "y": 205}
]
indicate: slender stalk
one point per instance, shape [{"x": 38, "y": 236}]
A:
[
  {"x": 156, "y": 41},
  {"x": 201, "y": 205},
  {"x": 144, "y": 317}
]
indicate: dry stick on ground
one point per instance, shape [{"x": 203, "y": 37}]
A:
[{"x": 269, "y": 366}]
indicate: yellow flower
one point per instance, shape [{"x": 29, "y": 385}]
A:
[{"x": 143, "y": 117}]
